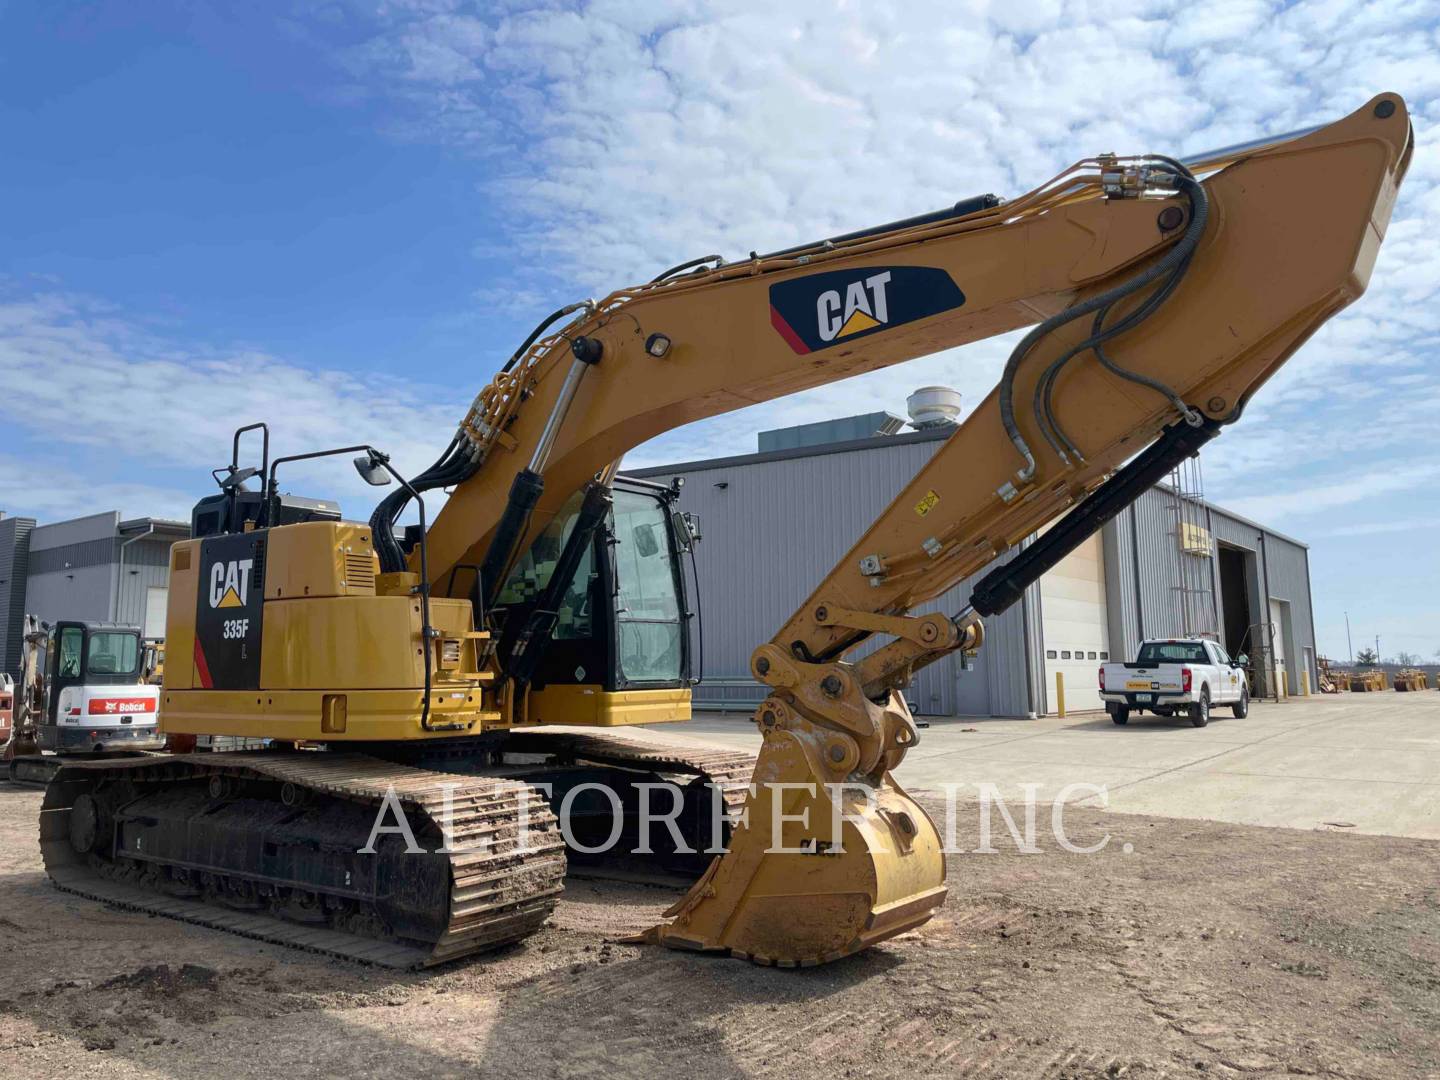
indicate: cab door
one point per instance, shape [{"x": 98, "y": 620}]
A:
[
  {"x": 67, "y": 665},
  {"x": 1229, "y": 673},
  {"x": 621, "y": 623}
]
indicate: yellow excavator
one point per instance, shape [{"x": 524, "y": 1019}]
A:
[{"x": 432, "y": 677}]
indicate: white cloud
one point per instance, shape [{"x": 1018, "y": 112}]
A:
[
  {"x": 1376, "y": 528},
  {"x": 1331, "y": 494},
  {"x": 47, "y": 492},
  {"x": 79, "y": 376},
  {"x": 627, "y": 135}
]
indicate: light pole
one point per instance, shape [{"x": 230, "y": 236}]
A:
[{"x": 1348, "y": 640}]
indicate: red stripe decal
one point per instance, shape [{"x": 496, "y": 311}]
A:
[
  {"x": 791, "y": 338},
  {"x": 202, "y": 669}
]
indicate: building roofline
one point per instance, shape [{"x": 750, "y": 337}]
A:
[
  {"x": 870, "y": 442},
  {"x": 877, "y": 442},
  {"x": 158, "y": 524}
]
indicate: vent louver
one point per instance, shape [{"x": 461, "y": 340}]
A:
[{"x": 360, "y": 571}]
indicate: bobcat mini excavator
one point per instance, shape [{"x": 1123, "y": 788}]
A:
[{"x": 419, "y": 668}]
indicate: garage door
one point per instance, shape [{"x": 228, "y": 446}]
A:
[
  {"x": 156, "y": 598},
  {"x": 1073, "y": 626}
]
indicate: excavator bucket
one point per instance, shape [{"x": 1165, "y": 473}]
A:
[{"x": 818, "y": 867}]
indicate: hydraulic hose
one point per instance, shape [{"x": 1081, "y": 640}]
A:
[
  {"x": 689, "y": 264},
  {"x": 1185, "y": 248},
  {"x": 1169, "y": 262},
  {"x": 454, "y": 466},
  {"x": 558, "y": 313}
]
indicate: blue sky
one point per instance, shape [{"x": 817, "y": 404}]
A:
[{"x": 342, "y": 216}]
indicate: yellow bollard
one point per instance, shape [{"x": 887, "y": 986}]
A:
[
  {"x": 1060, "y": 693},
  {"x": 1305, "y": 682}
]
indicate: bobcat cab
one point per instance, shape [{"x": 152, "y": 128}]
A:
[{"x": 96, "y": 698}]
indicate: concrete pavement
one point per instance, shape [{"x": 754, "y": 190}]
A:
[{"x": 1367, "y": 763}]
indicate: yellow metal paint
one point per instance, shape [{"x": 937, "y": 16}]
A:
[
  {"x": 354, "y": 642},
  {"x": 180, "y": 617},
  {"x": 597, "y": 707},
  {"x": 375, "y": 715},
  {"x": 339, "y": 662},
  {"x": 794, "y": 889},
  {"x": 1060, "y": 693},
  {"x": 319, "y": 558}
]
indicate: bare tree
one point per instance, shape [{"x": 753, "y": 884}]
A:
[{"x": 1407, "y": 659}]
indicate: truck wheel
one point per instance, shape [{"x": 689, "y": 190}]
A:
[
  {"x": 1200, "y": 711},
  {"x": 1120, "y": 714},
  {"x": 1241, "y": 708}
]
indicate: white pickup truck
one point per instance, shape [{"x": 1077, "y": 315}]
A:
[{"x": 1171, "y": 676}]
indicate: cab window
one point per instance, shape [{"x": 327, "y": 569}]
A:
[
  {"x": 113, "y": 653},
  {"x": 1172, "y": 652},
  {"x": 72, "y": 644},
  {"x": 647, "y": 602}
]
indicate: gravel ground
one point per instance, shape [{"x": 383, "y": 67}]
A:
[{"x": 1205, "y": 950}]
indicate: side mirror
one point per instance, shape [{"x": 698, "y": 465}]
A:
[
  {"x": 1242, "y": 660},
  {"x": 686, "y": 526},
  {"x": 372, "y": 470}
]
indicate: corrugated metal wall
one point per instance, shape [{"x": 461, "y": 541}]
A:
[
  {"x": 1117, "y": 539},
  {"x": 75, "y": 570},
  {"x": 147, "y": 564},
  {"x": 1141, "y": 576},
  {"x": 75, "y": 531},
  {"x": 755, "y": 570},
  {"x": 81, "y": 592},
  {"x": 14, "y": 571},
  {"x": 72, "y": 571},
  {"x": 754, "y": 573}
]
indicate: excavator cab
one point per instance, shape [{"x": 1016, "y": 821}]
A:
[{"x": 623, "y": 621}]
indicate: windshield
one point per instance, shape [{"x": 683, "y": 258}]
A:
[
  {"x": 534, "y": 569},
  {"x": 114, "y": 653},
  {"x": 1172, "y": 652}
]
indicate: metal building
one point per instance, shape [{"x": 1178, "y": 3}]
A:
[
  {"x": 94, "y": 567},
  {"x": 1169, "y": 564}
]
